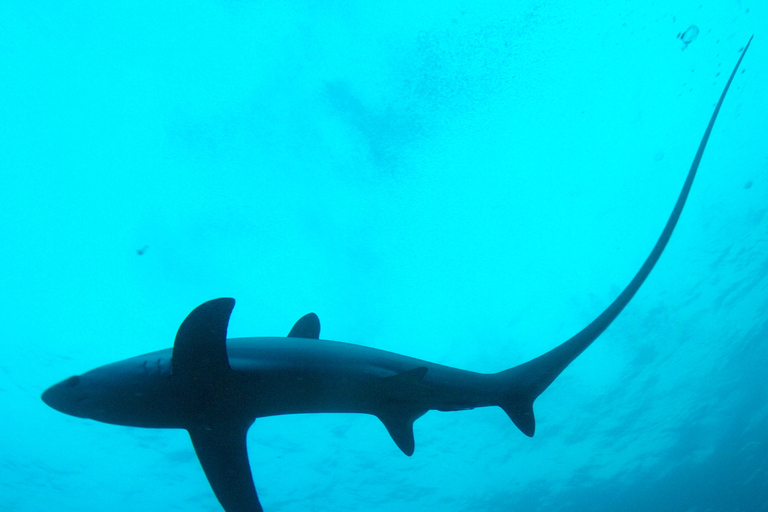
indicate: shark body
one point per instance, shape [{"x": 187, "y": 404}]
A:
[{"x": 216, "y": 387}]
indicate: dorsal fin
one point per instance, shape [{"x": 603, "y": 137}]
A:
[
  {"x": 205, "y": 384},
  {"x": 307, "y": 326},
  {"x": 201, "y": 341}
]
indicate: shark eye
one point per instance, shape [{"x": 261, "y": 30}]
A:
[{"x": 73, "y": 381}]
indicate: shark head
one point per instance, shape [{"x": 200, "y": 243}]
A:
[
  {"x": 67, "y": 397},
  {"x": 137, "y": 392}
]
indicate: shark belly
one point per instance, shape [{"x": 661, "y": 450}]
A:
[{"x": 296, "y": 375}]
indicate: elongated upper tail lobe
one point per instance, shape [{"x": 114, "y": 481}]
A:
[{"x": 521, "y": 385}]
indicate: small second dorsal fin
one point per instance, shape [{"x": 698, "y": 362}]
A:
[{"x": 307, "y": 326}]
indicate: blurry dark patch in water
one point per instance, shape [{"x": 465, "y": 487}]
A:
[{"x": 384, "y": 129}]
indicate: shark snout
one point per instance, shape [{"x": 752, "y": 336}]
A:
[{"x": 61, "y": 396}]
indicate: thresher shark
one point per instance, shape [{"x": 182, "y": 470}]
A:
[{"x": 215, "y": 388}]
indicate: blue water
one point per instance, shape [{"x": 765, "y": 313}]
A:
[{"x": 465, "y": 182}]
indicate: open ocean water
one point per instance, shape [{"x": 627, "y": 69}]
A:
[{"x": 469, "y": 183}]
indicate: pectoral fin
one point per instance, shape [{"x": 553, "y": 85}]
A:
[{"x": 222, "y": 453}]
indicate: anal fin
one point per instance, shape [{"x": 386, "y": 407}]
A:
[
  {"x": 405, "y": 391},
  {"x": 223, "y": 454},
  {"x": 399, "y": 424}
]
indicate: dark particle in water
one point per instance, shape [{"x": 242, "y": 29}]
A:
[
  {"x": 748, "y": 184},
  {"x": 689, "y": 36},
  {"x": 142, "y": 250}
]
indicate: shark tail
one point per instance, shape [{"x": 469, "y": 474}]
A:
[{"x": 521, "y": 385}]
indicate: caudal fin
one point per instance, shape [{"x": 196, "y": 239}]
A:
[{"x": 521, "y": 385}]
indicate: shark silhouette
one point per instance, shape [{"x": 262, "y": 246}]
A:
[{"x": 215, "y": 388}]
